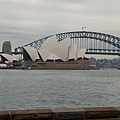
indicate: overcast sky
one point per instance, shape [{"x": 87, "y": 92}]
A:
[{"x": 24, "y": 21}]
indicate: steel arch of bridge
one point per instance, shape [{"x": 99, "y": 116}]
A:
[
  {"x": 110, "y": 39},
  {"x": 100, "y": 37},
  {"x": 113, "y": 40}
]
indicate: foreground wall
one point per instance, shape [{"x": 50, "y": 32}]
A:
[{"x": 85, "y": 113}]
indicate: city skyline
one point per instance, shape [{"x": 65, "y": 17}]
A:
[{"x": 23, "y": 22}]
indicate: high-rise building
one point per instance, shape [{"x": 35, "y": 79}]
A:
[{"x": 6, "y": 48}]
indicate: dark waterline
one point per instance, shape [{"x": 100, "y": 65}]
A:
[{"x": 28, "y": 89}]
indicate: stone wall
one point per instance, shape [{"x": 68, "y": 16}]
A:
[{"x": 85, "y": 113}]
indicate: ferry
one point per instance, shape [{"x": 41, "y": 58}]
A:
[
  {"x": 118, "y": 68},
  {"x": 25, "y": 67}
]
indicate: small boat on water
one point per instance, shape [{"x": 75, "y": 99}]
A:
[
  {"x": 5, "y": 66},
  {"x": 118, "y": 68},
  {"x": 25, "y": 67}
]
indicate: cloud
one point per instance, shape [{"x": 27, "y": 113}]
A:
[{"x": 23, "y": 21}]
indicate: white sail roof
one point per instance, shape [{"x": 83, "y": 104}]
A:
[
  {"x": 72, "y": 52},
  {"x": 49, "y": 44},
  {"x": 48, "y": 55},
  {"x": 8, "y": 57},
  {"x": 53, "y": 56},
  {"x": 81, "y": 53},
  {"x": 44, "y": 54},
  {"x": 52, "y": 49},
  {"x": 61, "y": 49},
  {"x": 17, "y": 57},
  {"x": 32, "y": 52}
]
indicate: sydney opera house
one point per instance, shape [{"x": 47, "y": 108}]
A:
[{"x": 52, "y": 54}]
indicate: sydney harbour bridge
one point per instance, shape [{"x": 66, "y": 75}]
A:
[{"x": 93, "y": 42}]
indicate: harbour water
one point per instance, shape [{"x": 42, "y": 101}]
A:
[{"x": 31, "y": 89}]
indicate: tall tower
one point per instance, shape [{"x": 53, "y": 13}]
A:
[{"x": 6, "y": 48}]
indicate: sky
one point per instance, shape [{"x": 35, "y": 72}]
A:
[{"x": 24, "y": 21}]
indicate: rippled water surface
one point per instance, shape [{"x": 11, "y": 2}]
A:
[{"x": 27, "y": 89}]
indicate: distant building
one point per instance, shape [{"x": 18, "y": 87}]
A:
[{"x": 6, "y": 48}]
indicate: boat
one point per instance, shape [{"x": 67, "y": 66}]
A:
[
  {"x": 25, "y": 67},
  {"x": 8, "y": 67},
  {"x": 118, "y": 68},
  {"x": 5, "y": 66}
]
